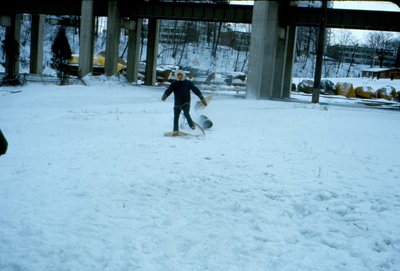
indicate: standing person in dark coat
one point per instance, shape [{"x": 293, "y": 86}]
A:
[
  {"x": 181, "y": 89},
  {"x": 3, "y": 144}
]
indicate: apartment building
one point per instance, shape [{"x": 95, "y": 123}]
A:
[{"x": 362, "y": 55}]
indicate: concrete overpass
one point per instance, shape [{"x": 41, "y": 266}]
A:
[{"x": 272, "y": 41}]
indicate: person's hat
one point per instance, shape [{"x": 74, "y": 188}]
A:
[{"x": 181, "y": 72}]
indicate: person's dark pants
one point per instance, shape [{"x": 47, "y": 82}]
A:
[{"x": 177, "y": 113}]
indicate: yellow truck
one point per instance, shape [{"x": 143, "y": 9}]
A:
[{"x": 99, "y": 61}]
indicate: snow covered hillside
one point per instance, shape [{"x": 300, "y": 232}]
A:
[{"x": 90, "y": 183}]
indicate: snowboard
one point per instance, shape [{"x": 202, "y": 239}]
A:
[{"x": 203, "y": 120}]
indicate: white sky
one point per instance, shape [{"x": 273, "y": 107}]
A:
[
  {"x": 366, "y": 5},
  {"x": 242, "y": 2}
]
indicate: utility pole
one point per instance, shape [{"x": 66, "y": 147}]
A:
[{"x": 320, "y": 52}]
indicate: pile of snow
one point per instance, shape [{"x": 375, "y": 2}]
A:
[
  {"x": 365, "y": 92},
  {"x": 373, "y": 83},
  {"x": 90, "y": 183}
]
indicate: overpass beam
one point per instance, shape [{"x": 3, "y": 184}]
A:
[
  {"x": 36, "y": 54},
  {"x": 113, "y": 37},
  {"x": 86, "y": 38}
]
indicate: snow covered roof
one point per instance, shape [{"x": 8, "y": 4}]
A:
[{"x": 376, "y": 69}]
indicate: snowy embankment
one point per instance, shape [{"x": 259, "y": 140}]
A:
[{"x": 90, "y": 183}]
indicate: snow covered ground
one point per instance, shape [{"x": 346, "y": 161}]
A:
[{"x": 90, "y": 183}]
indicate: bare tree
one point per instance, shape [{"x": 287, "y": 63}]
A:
[
  {"x": 306, "y": 43},
  {"x": 379, "y": 40},
  {"x": 396, "y": 45},
  {"x": 353, "y": 53},
  {"x": 217, "y": 32},
  {"x": 61, "y": 53},
  {"x": 345, "y": 37}
]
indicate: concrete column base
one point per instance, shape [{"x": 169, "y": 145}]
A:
[
  {"x": 151, "y": 57},
  {"x": 113, "y": 37},
  {"x": 271, "y": 54},
  {"x": 132, "y": 67},
  {"x": 36, "y": 55},
  {"x": 86, "y": 39}
]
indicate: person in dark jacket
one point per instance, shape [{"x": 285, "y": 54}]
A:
[
  {"x": 3, "y": 144},
  {"x": 181, "y": 89}
]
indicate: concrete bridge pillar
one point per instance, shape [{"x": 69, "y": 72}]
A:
[
  {"x": 36, "y": 55},
  {"x": 277, "y": 88},
  {"x": 113, "y": 37},
  {"x": 284, "y": 63},
  {"x": 151, "y": 56},
  {"x": 289, "y": 60},
  {"x": 86, "y": 38},
  {"x": 270, "y": 58},
  {"x": 132, "y": 67},
  {"x": 14, "y": 32}
]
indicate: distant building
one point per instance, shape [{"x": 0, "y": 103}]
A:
[
  {"x": 362, "y": 55},
  {"x": 392, "y": 73},
  {"x": 172, "y": 32},
  {"x": 176, "y": 32}
]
